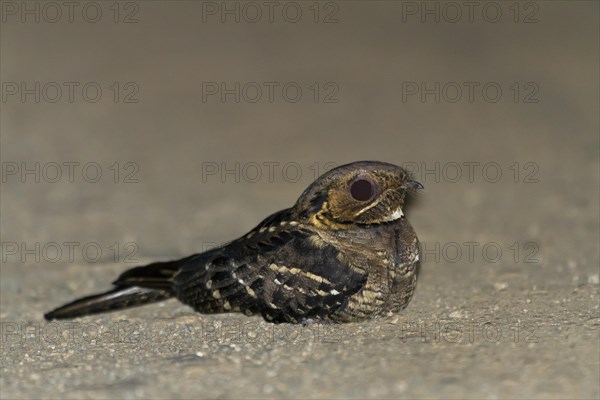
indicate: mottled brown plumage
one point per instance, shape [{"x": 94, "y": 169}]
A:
[{"x": 343, "y": 252}]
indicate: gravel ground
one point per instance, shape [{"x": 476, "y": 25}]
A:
[{"x": 507, "y": 304}]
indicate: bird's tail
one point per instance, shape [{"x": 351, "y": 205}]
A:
[
  {"x": 135, "y": 287},
  {"x": 116, "y": 299}
]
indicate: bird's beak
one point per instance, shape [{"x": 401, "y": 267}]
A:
[{"x": 413, "y": 185}]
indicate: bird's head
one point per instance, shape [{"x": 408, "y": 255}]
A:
[{"x": 364, "y": 192}]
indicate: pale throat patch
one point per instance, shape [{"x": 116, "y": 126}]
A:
[
  {"x": 391, "y": 216},
  {"x": 394, "y": 215}
]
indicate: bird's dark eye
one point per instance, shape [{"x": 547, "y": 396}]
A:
[{"x": 362, "y": 190}]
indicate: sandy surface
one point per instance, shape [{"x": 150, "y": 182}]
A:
[{"x": 507, "y": 303}]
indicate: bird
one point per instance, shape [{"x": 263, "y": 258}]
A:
[{"x": 344, "y": 252}]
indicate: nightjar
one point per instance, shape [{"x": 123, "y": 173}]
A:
[{"x": 344, "y": 252}]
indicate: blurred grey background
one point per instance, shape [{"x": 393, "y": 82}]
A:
[{"x": 191, "y": 154}]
